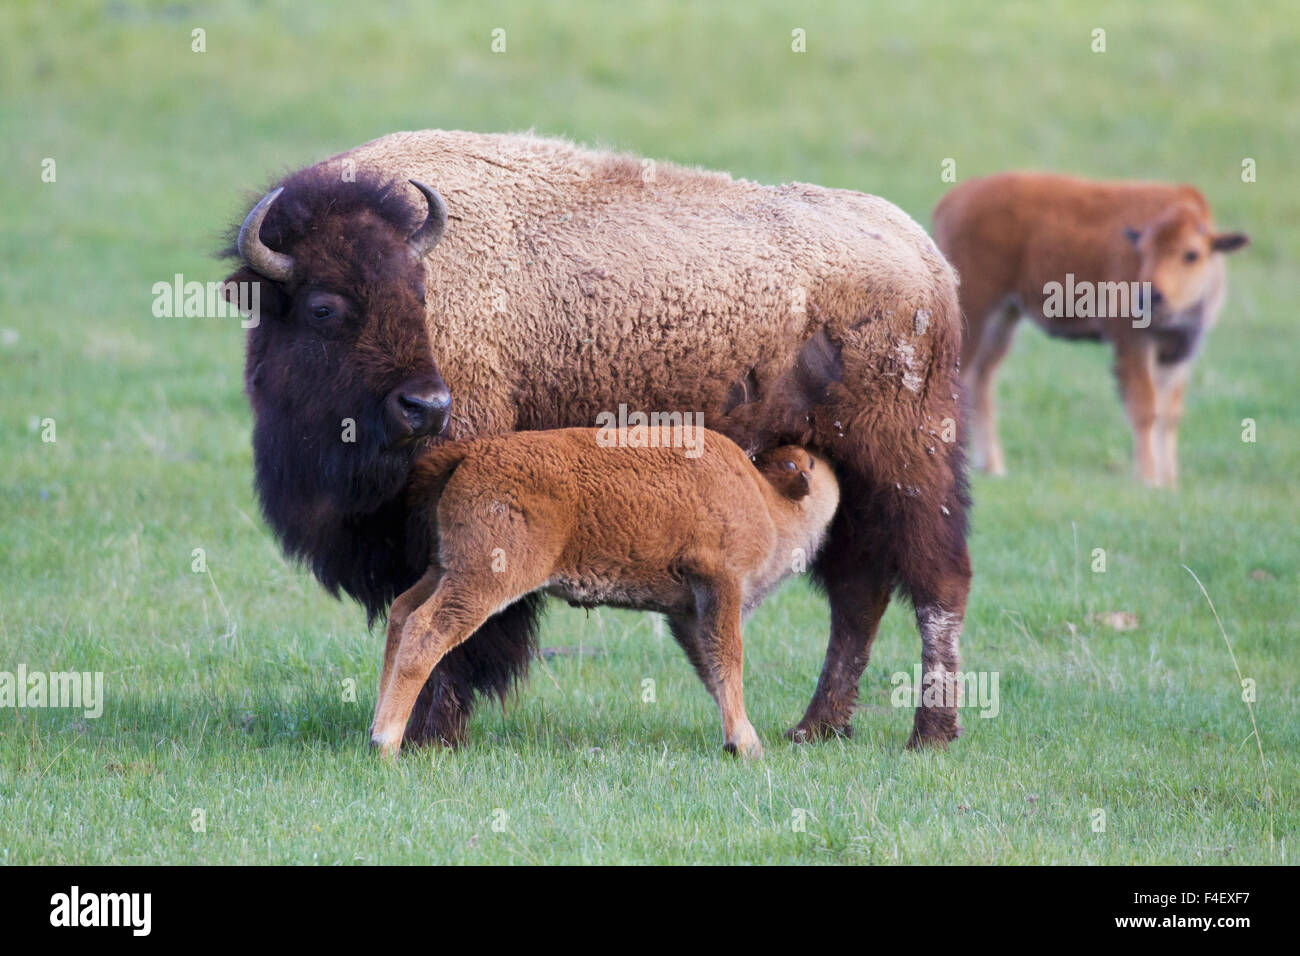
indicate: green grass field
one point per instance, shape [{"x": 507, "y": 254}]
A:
[{"x": 226, "y": 690}]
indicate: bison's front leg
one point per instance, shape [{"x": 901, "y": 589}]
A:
[
  {"x": 460, "y": 606},
  {"x": 441, "y": 715},
  {"x": 858, "y": 585}
]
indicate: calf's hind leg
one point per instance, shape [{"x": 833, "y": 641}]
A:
[
  {"x": 486, "y": 665},
  {"x": 990, "y": 348},
  {"x": 456, "y": 609},
  {"x": 406, "y": 602}
]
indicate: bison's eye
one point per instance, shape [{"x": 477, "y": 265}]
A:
[
  {"x": 324, "y": 311},
  {"x": 1191, "y": 255}
]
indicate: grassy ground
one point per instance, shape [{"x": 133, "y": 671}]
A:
[{"x": 225, "y": 689}]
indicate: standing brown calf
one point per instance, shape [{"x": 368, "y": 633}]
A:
[
  {"x": 1135, "y": 264},
  {"x": 697, "y": 533}
]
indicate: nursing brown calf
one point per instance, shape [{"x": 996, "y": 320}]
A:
[
  {"x": 697, "y": 533},
  {"x": 1135, "y": 264}
]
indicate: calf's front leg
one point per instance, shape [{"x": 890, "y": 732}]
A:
[
  {"x": 1135, "y": 369},
  {"x": 1172, "y": 388},
  {"x": 719, "y": 612}
]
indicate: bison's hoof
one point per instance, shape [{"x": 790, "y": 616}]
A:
[
  {"x": 809, "y": 731},
  {"x": 935, "y": 735}
]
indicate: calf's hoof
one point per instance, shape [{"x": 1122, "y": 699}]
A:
[
  {"x": 388, "y": 745},
  {"x": 745, "y": 745}
]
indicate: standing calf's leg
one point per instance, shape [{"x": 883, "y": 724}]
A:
[
  {"x": 1171, "y": 383},
  {"x": 1134, "y": 366},
  {"x": 721, "y": 646},
  {"x": 994, "y": 340}
]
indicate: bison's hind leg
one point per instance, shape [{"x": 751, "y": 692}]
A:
[
  {"x": 876, "y": 544},
  {"x": 936, "y": 573},
  {"x": 886, "y": 537}
]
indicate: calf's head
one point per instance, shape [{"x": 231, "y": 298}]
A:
[
  {"x": 789, "y": 469},
  {"x": 1176, "y": 253},
  {"x": 339, "y": 368}
]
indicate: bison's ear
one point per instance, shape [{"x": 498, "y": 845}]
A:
[
  {"x": 1229, "y": 241},
  {"x": 238, "y": 291},
  {"x": 1132, "y": 235}
]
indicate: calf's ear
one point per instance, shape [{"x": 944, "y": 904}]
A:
[
  {"x": 1132, "y": 235},
  {"x": 1229, "y": 241}
]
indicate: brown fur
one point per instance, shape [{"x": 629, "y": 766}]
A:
[
  {"x": 570, "y": 281},
  {"x": 701, "y": 539},
  {"x": 1010, "y": 235}
]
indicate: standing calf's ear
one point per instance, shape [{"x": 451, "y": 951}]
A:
[{"x": 1229, "y": 241}]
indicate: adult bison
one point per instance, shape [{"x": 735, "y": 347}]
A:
[{"x": 556, "y": 283}]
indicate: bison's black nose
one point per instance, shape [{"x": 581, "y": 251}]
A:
[{"x": 420, "y": 408}]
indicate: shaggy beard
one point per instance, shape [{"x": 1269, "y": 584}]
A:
[
  {"x": 340, "y": 509},
  {"x": 337, "y": 507}
]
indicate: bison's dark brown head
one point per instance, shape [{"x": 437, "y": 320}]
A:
[{"x": 339, "y": 369}]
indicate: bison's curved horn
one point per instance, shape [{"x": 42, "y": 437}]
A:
[
  {"x": 267, "y": 262},
  {"x": 427, "y": 236}
]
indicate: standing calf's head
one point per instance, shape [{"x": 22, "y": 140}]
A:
[{"x": 1175, "y": 252}]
